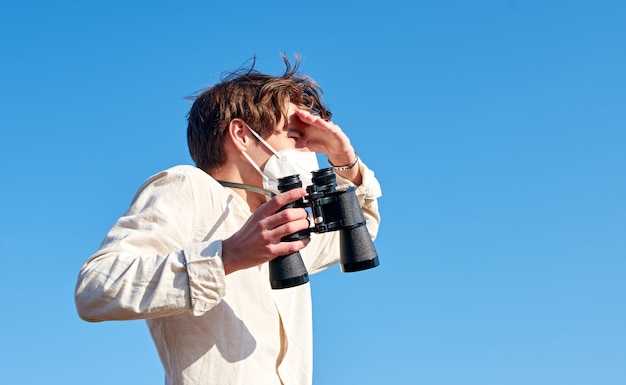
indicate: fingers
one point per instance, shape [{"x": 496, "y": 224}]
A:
[
  {"x": 286, "y": 248},
  {"x": 310, "y": 118},
  {"x": 288, "y": 222},
  {"x": 282, "y": 199},
  {"x": 278, "y": 223},
  {"x": 323, "y": 135},
  {"x": 319, "y": 124},
  {"x": 259, "y": 240},
  {"x": 284, "y": 223}
]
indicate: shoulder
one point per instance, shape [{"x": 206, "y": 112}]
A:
[
  {"x": 183, "y": 175},
  {"x": 181, "y": 181},
  {"x": 183, "y": 171}
]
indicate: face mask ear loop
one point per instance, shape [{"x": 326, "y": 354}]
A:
[
  {"x": 257, "y": 168},
  {"x": 256, "y": 134}
]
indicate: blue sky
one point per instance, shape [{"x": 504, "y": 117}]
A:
[{"x": 497, "y": 130}]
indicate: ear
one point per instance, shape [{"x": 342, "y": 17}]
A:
[{"x": 238, "y": 134}]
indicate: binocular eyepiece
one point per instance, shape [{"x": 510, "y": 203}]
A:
[{"x": 332, "y": 210}]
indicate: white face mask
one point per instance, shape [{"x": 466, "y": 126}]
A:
[{"x": 284, "y": 163}]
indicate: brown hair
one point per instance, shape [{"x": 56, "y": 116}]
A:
[{"x": 258, "y": 99}]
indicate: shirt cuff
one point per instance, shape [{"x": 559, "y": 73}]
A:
[
  {"x": 206, "y": 275},
  {"x": 369, "y": 187}
]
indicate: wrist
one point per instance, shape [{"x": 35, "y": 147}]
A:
[
  {"x": 350, "y": 171},
  {"x": 343, "y": 165},
  {"x": 229, "y": 263}
]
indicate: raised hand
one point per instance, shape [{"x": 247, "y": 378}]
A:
[{"x": 325, "y": 137}]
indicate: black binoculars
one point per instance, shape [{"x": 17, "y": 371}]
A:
[{"x": 332, "y": 210}]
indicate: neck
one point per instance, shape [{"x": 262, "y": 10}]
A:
[{"x": 255, "y": 196}]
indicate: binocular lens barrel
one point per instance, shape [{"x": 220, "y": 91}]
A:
[
  {"x": 357, "y": 249},
  {"x": 289, "y": 270}
]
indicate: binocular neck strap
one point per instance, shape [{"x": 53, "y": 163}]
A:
[{"x": 248, "y": 187}]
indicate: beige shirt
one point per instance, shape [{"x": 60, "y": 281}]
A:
[{"x": 162, "y": 262}]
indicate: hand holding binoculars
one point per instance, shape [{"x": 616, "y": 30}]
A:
[{"x": 332, "y": 210}]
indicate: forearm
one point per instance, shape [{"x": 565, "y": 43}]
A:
[
  {"x": 117, "y": 285},
  {"x": 154, "y": 262}
]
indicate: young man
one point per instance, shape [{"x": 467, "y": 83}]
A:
[{"x": 191, "y": 255}]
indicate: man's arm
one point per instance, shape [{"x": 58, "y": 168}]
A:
[
  {"x": 141, "y": 269},
  {"x": 324, "y": 136},
  {"x": 150, "y": 265}
]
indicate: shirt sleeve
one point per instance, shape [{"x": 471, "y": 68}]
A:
[
  {"x": 148, "y": 265},
  {"x": 323, "y": 250}
]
